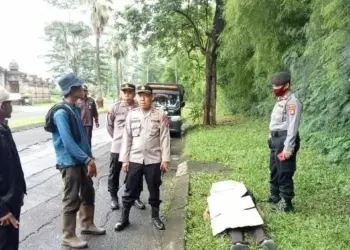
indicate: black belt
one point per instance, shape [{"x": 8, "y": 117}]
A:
[{"x": 279, "y": 133}]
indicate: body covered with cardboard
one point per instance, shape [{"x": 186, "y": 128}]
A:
[{"x": 231, "y": 206}]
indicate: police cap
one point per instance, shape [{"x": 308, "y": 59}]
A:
[
  {"x": 144, "y": 89},
  {"x": 128, "y": 86},
  {"x": 280, "y": 78}
]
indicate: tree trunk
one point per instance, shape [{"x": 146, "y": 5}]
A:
[
  {"x": 208, "y": 87},
  {"x": 98, "y": 70},
  {"x": 209, "y": 117},
  {"x": 213, "y": 93},
  {"x": 117, "y": 91},
  {"x": 210, "y": 67}
]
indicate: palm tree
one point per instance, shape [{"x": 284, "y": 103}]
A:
[
  {"x": 100, "y": 10},
  {"x": 118, "y": 51}
]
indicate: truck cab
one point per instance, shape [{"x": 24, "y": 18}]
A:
[{"x": 170, "y": 98}]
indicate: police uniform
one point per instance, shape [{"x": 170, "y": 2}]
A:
[
  {"x": 88, "y": 111},
  {"x": 284, "y": 136},
  {"x": 145, "y": 144},
  {"x": 115, "y": 127}
]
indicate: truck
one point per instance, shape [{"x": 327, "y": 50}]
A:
[{"x": 169, "y": 97}]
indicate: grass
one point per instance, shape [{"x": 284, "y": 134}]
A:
[
  {"x": 322, "y": 201},
  {"x": 29, "y": 121}
]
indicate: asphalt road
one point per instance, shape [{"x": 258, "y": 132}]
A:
[{"x": 40, "y": 219}]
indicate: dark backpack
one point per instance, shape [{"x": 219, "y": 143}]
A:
[{"x": 50, "y": 126}]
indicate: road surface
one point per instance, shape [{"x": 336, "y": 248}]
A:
[{"x": 40, "y": 218}]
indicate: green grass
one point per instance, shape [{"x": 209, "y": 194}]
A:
[
  {"x": 28, "y": 121},
  {"x": 322, "y": 199}
]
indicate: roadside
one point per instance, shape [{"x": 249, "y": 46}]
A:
[
  {"x": 40, "y": 218},
  {"x": 322, "y": 197}
]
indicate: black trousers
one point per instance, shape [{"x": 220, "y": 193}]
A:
[
  {"x": 237, "y": 234},
  {"x": 115, "y": 167},
  {"x": 9, "y": 236},
  {"x": 282, "y": 172},
  {"x": 153, "y": 176}
]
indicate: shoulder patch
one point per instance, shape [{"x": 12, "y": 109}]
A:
[
  {"x": 165, "y": 120},
  {"x": 291, "y": 109}
]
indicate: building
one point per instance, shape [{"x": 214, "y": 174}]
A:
[{"x": 21, "y": 83}]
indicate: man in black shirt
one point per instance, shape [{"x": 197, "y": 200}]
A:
[{"x": 12, "y": 183}]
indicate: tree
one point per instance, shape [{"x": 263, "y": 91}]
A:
[
  {"x": 100, "y": 10},
  {"x": 178, "y": 25},
  {"x": 118, "y": 50},
  {"x": 70, "y": 49}
]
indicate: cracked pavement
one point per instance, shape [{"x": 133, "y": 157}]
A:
[{"x": 40, "y": 218}]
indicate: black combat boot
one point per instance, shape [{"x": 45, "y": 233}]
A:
[
  {"x": 284, "y": 206},
  {"x": 139, "y": 204},
  {"x": 114, "y": 201},
  {"x": 273, "y": 199},
  {"x": 124, "y": 220},
  {"x": 156, "y": 220}
]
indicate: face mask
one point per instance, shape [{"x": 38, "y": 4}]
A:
[{"x": 281, "y": 91}]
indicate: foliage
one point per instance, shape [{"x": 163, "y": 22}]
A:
[
  {"x": 321, "y": 189},
  {"x": 310, "y": 39},
  {"x": 178, "y": 26},
  {"x": 70, "y": 49}
]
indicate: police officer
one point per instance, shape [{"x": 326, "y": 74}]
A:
[
  {"x": 115, "y": 127},
  {"x": 145, "y": 150},
  {"x": 89, "y": 112},
  {"x": 284, "y": 142}
]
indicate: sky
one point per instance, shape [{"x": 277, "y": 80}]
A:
[{"x": 22, "y": 25}]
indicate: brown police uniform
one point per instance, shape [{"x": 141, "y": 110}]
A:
[
  {"x": 115, "y": 127},
  {"x": 145, "y": 144},
  {"x": 89, "y": 112}
]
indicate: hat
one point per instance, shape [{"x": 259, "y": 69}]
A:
[
  {"x": 128, "y": 86},
  {"x": 5, "y": 96},
  {"x": 280, "y": 78},
  {"x": 144, "y": 89},
  {"x": 68, "y": 81},
  {"x": 85, "y": 87}
]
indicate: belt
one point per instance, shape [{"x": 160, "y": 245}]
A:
[{"x": 279, "y": 133}]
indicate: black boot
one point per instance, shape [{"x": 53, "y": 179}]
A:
[
  {"x": 139, "y": 204},
  {"x": 273, "y": 199},
  {"x": 284, "y": 206},
  {"x": 114, "y": 201},
  {"x": 156, "y": 220},
  {"x": 124, "y": 220}
]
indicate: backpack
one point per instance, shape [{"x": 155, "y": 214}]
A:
[{"x": 50, "y": 127}]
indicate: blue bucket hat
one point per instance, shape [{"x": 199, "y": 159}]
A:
[{"x": 66, "y": 82}]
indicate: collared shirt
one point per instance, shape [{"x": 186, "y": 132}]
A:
[
  {"x": 146, "y": 138},
  {"x": 88, "y": 111},
  {"x": 286, "y": 116},
  {"x": 116, "y": 122},
  {"x": 68, "y": 152}
]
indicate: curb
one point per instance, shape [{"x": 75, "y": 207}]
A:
[
  {"x": 174, "y": 235},
  {"x": 35, "y": 125}
]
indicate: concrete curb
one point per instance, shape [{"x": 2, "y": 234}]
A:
[
  {"x": 174, "y": 235},
  {"x": 36, "y": 125}
]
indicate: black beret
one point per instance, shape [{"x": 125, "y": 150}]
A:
[{"x": 280, "y": 78}]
